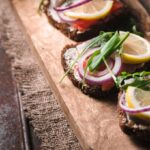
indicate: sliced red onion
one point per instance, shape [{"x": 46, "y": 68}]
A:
[
  {"x": 105, "y": 71},
  {"x": 66, "y": 19},
  {"x": 81, "y": 2},
  {"x": 92, "y": 80},
  {"x": 59, "y": 16},
  {"x": 122, "y": 104}
]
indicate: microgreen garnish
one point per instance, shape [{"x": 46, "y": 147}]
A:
[{"x": 138, "y": 79}]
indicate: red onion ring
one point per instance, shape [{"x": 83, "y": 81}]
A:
[
  {"x": 91, "y": 80},
  {"x": 105, "y": 71},
  {"x": 59, "y": 16},
  {"x": 131, "y": 110},
  {"x": 66, "y": 19},
  {"x": 72, "y": 6}
]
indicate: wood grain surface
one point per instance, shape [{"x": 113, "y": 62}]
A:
[{"x": 95, "y": 122}]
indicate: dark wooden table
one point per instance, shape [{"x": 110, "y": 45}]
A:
[
  {"x": 15, "y": 131},
  {"x": 12, "y": 129}
]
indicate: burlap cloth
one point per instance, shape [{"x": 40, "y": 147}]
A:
[{"x": 38, "y": 101}]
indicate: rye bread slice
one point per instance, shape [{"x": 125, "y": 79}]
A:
[
  {"x": 116, "y": 21},
  {"x": 130, "y": 127},
  {"x": 93, "y": 91}
]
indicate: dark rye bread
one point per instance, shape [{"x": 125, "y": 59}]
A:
[
  {"x": 132, "y": 128},
  {"x": 93, "y": 91},
  {"x": 116, "y": 21}
]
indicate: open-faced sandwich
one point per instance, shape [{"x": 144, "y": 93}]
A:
[
  {"x": 134, "y": 104},
  {"x": 81, "y": 20},
  {"x": 94, "y": 65}
]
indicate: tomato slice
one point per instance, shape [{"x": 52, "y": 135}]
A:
[
  {"x": 107, "y": 86},
  {"x": 116, "y": 6},
  {"x": 83, "y": 25},
  {"x": 85, "y": 63}
]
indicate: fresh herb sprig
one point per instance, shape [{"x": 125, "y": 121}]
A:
[
  {"x": 97, "y": 41},
  {"x": 109, "y": 47},
  {"x": 138, "y": 79},
  {"x": 110, "y": 71}
]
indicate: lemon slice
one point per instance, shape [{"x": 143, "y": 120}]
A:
[
  {"x": 96, "y": 9},
  {"x": 138, "y": 98},
  {"x": 135, "y": 49}
]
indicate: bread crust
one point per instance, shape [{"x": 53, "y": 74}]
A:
[{"x": 128, "y": 126}]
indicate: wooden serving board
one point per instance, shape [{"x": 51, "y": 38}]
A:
[{"x": 95, "y": 122}]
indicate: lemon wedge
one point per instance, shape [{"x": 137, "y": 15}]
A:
[
  {"x": 138, "y": 98},
  {"x": 96, "y": 9},
  {"x": 135, "y": 49}
]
